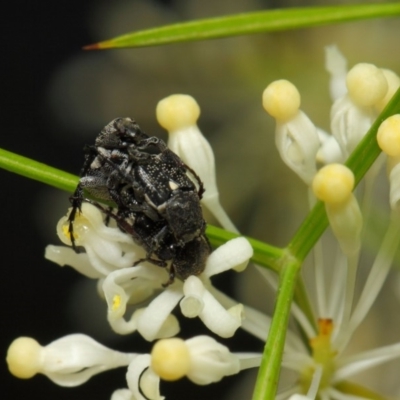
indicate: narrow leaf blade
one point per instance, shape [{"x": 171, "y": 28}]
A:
[{"x": 249, "y": 23}]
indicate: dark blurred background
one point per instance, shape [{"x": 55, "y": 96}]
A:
[{"x": 55, "y": 98}]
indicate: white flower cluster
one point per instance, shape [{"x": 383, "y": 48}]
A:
[
  {"x": 110, "y": 256},
  {"x": 358, "y": 95}
]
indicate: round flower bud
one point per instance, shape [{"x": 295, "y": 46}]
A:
[
  {"x": 393, "y": 81},
  {"x": 281, "y": 100},
  {"x": 366, "y": 84},
  {"x": 170, "y": 359},
  {"x": 177, "y": 111},
  {"x": 23, "y": 357},
  {"x": 333, "y": 183},
  {"x": 388, "y": 136}
]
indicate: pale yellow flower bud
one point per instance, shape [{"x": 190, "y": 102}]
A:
[
  {"x": 393, "y": 81},
  {"x": 366, "y": 84},
  {"x": 281, "y": 100},
  {"x": 170, "y": 359},
  {"x": 24, "y": 357},
  {"x": 388, "y": 136},
  {"x": 177, "y": 111},
  {"x": 333, "y": 183}
]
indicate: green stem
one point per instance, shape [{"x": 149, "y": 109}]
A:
[
  {"x": 38, "y": 171},
  {"x": 359, "y": 162},
  {"x": 303, "y": 241},
  {"x": 268, "y": 375}
]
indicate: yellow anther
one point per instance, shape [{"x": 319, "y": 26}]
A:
[
  {"x": 170, "y": 359},
  {"x": 116, "y": 304},
  {"x": 281, "y": 100},
  {"x": 67, "y": 233}
]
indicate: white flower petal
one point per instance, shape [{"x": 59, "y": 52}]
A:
[
  {"x": 192, "y": 304},
  {"x": 156, "y": 313},
  {"x": 346, "y": 222},
  {"x": 349, "y": 123},
  {"x": 235, "y": 253},
  {"x": 211, "y": 361},
  {"x": 62, "y": 255},
  {"x": 110, "y": 252},
  {"x": 330, "y": 151},
  {"x": 298, "y": 143},
  {"x": 123, "y": 327},
  {"x": 215, "y": 317},
  {"x": 357, "y": 363},
  {"x": 122, "y": 394},
  {"x": 107, "y": 248},
  {"x": 139, "y": 381},
  {"x": 169, "y": 328},
  {"x": 336, "y": 65},
  {"x": 134, "y": 284},
  {"x": 95, "y": 218},
  {"x": 150, "y": 384}
]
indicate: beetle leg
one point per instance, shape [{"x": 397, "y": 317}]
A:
[{"x": 171, "y": 279}]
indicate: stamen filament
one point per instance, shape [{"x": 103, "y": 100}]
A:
[{"x": 377, "y": 276}]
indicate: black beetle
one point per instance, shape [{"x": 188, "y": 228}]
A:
[{"x": 156, "y": 201}]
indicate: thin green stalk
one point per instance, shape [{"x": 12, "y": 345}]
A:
[
  {"x": 359, "y": 162},
  {"x": 38, "y": 171},
  {"x": 250, "y": 23},
  {"x": 268, "y": 374}
]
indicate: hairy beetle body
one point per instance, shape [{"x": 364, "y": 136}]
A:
[{"x": 156, "y": 201}]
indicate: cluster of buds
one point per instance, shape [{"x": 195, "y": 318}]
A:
[{"x": 358, "y": 96}]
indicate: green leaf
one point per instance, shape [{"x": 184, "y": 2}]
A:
[{"x": 249, "y": 23}]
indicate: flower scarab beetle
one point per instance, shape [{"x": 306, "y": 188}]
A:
[{"x": 156, "y": 201}]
